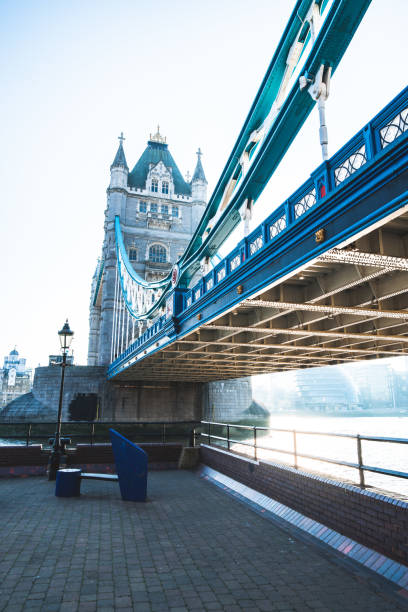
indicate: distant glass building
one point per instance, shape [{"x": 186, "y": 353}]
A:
[
  {"x": 374, "y": 387},
  {"x": 380, "y": 386},
  {"x": 324, "y": 390},
  {"x": 15, "y": 377}
]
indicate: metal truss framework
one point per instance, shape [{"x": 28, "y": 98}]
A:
[{"x": 348, "y": 305}]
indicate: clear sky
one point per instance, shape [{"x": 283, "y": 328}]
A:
[{"x": 75, "y": 73}]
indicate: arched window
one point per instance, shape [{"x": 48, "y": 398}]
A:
[
  {"x": 133, "y": 254},
  {"x": 165, "y": 187},
  {"x": 155, "y": 185},
  {"x": 157, "y": 253}
]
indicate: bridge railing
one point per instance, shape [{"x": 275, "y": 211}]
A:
[
  {"x": 249, "y": 436},
  {"x": 92, "y": 432},
  {"x": 365, "y": 147}
]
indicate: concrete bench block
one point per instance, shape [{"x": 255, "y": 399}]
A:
[{"x": 68, "y": 483}]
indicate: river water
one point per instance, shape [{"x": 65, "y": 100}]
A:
[
  {"x": 375, "y": 454},
  {"x": 6, "y": 442}
]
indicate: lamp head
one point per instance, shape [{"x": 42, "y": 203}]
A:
[{"x": 65, "y": 335}]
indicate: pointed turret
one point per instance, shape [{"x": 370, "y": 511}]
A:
[
  {"x": 119, "y": 169},
  {"x": 199, "y": 171},
  {"x": 199, "y": 182},
  {"x": 120, "y": 159}
]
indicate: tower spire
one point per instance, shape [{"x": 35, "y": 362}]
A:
[
  {"x": 199, "y": 182},
  {"x": 199, "y": 171},
  {"x": 119, "y": 169},
  {"x": 120, "y": 159}
]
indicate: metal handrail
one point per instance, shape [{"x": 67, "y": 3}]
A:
[
  {"x": 296, "y": 455},
  {"x": 161, "y": 429}
]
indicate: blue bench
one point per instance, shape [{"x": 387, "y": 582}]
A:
[{"x": 131, "y": 468}]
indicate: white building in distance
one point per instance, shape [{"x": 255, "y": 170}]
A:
[{"x": 15, "y": 377}]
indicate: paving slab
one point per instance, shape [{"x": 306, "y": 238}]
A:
[{"x": 191, "y": 546}]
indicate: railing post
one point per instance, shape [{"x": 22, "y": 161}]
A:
[
  {"x": 369, "y": 141},
  {"x": 289, "y": 212},
  {"x": 295, "y": 461},
  {"x": 164, "y": 433},
  {"x": 92, "y": 433},
  {"x": 28, "y": 434},
  {"x": 360, "y": 461},
  {"x": 265, "y": 233},
  {"x": 228, "y": 437},
  {"x": 209, "y": 433},
  {"x": 255, "y": 449}
]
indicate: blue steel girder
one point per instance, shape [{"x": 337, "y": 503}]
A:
[
  {"x": 330, "y": 45},
  {"x": 356, "y": 200},
  {"x": 332, "y": 40},
  {"x": 133, "y": 287}
]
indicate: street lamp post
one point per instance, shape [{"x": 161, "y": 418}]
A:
[{"x": 65, "y": 336}]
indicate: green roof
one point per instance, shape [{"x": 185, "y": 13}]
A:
[{"x": 154, "y": 153}]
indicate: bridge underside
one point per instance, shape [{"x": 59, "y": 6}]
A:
[{"x": 347, "y": 305}]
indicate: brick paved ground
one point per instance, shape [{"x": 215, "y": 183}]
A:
[{"x": 190, "y": 547}]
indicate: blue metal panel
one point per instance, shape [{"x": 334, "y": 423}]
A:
[
  {"x": 120, "y": 248},
  {"x": 338, "y": 27},
  {"x": 328, "y": 49},
  {"x": 131, "y": 467}
]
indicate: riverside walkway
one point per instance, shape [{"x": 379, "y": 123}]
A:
[{"x": 190, "y": 547}]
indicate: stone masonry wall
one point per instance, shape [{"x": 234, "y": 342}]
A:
[
  {"x": 139, "y": 401},
  {"x": 150, "y": 401},
  {"x": 227, "y": 400},
  {"x": 132, "y": 401},
  {"x": 78, "y": 379},
  {"x": 377, "y": 521}
]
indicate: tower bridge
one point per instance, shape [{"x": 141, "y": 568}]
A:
[{"x": 323, "y": 280}]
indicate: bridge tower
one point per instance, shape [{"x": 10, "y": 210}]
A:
[{"x": 159, "y": 211}]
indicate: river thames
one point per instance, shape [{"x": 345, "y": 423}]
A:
[{"x": 375, "y": 454}]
